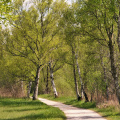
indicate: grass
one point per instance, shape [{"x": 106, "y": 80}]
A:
[
  {"x": 109, "y": 112},
  {"x": 59, "y": 99},
  {"x": 26, "y": 109}
]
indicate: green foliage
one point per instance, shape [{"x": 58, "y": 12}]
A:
[
  {"x": 5, "y": 8},
  {"x": 51, "y": 32}
]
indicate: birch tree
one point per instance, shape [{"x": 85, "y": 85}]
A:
[
  {"x": 68, "y": 24},
  {"x": 33, "y": 34},
  {"x": 99, "y": 25}
]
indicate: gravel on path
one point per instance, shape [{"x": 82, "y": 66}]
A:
[{"x": 74, "y": 113}]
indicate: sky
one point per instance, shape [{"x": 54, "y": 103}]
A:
[
  {"x": 26, "y": 5},
  {"x": 69, "y": 1}
]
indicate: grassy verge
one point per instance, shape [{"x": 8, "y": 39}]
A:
[
  {"x": 26, "y": 109},
  {"x": 59, "y": 99},
  {"x": 109, "y": 112}
]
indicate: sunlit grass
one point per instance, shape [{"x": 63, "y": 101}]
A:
[
  {"x": 60, "y": 99},
  {"x": 25, "y": 109},
  {"x": 110, "y": 112}
]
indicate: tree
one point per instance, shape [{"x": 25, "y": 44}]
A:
[
  {"x": 33, "y": 35},
  {"x": 68, "y": 24},
  {"x": 98, "y": 23},
  {"x": 5, "y": 8},
  {"x": 56, "y": 63},
  {"x": 118, "y": 23}
]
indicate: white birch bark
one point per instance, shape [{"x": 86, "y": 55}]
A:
[
  {"x": 74, "y": 72},
  {"x": 29, "y": 89},
  {"x": 52, "y": 81},
  {"x": 80, "y": 78}
]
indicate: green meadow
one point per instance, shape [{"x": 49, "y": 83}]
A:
[{"x": 26, "y": 109}]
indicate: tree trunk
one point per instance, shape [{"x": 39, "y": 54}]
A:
[
  {"x": 86, "y": 97},
  {"x": 107, "y": 93},
  {"x": 43, "y": 75},
  {"x": 52, "y": 81},
  {"x": 80, "y": 78},
  {"x": 105, "y": 77},
  {"x": 47, "y": 88},
  {"x": 82, "y": 86},
  {"x": 29, "y": 89},
  {"x": 113, "y": 68},
  {"x": 91, "y": 97},
  {"x": 97, "y": 92},
  {"x": 22, "y": 90},
  {"x": 74, "y": 72},
  {"x": 105, "y": 80},
  {"x": 76, "y": 85},
  {"x": 35, "y": 94},
  {"x": 118, "y": 40}
]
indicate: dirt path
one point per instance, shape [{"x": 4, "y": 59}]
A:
[{"x": 73, "y": 113}]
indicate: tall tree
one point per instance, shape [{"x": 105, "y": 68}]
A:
[
  {"x": 118, "y": 22},
  {"x": 33, "y": 35},
  {"x": 99, "y": 25},
  {"x": 69, "y": 29}
]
